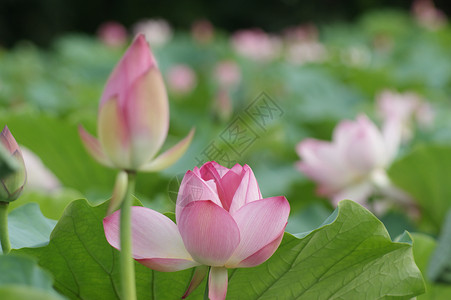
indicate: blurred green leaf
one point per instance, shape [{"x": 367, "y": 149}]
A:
[
  {"x": 308, "y": 218},
  {"x": 52, "y": 204},
  {"x": 424, "y": 174},
  {"x": 423, "y": 246},
  {"x": 14, "y": 292},
  {"x": 387, "y": 22},
  {"x": 439, "y": 268},
  {"x": 397, "y": 223},
  {"x": 28, "y": 227},
  {"x": 20, "y": 276}
]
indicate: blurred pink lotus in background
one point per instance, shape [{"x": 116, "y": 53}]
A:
[
  {"x": 133, "y": 119},
  {"x": 428, "y": 15},
  {"x": 222, "y": 222},
  {"x": 112, "y": 34},
  {"x": 202, "y": 31},
  {"x": 181, "y": 79},
  {"x": 256, "y": 44},
  {"x": 227, "y": 73},
  {"x": 158, "y": 32},
  {"x": 303, "y": 46},
  {"x": 406, "y": 109},
  {"x": 39, "y": 177},
  {"x": 223, "y": 104},
  {"x": 306, "y": 52},
  {"x": 353, "y": 166}
]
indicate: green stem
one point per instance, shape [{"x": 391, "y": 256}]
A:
[
  {"x": 206, "y": 285},
  {"x": 127, "y": 262},
  {"x": 4, "y": 235}
]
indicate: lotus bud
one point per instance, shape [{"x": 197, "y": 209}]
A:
[
  {"x": 133, "y": 118},
  {"x": 12, "y": 185}
]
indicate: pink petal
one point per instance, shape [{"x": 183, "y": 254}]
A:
[
  {"x": 8, "y": 140},
  {"x": 260, "y": 223},
  {"x": 343, "y": 131},
  {"x": 167, "y": 264},
  {"x": 93, "y": 147},
  {"x": 193, "y": 188},
  {"x": 263, "y": 254},
  {"x": 137, "y": 60},
  {"x": 229, "y": 184},
  {"x": 247, "y": 191},
  {"x": 198, "y": 277},
  {"x": 392, "y": 133},
  {"x": 217, "y": 283},
  {"x": 156, "y": 241},
  {"x": 146, "y": 111},
  {"x": 208, "y": 171},
  {"x": 114, "y": 134},
  {"x": 360, "y": 145},
  {"x": 209, "y": 232},
  {"x": 220, "y": 169},
  {"x": 322, "y": 162},
  {"x": 197, "y": 171},
  {"x": 170, "y": 156},
  {"x": 366, "y": 149},
  {"x": 225, "y": 186}
]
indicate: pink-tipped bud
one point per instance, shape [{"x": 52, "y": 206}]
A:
[
  {"x": 133, "y": 118},
  {"x": 12, "y": 185}
]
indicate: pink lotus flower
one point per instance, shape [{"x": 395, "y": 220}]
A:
[
  {"x": 158, "y": 32},
  {"x": 306, "y": 52},
  {"x": 112, "y": 34},
  {"x": 303, "y": 45},
  {"x": 227, "y": 74},
  {"x": 223, "y": 105},
  {"x": 256, "y": 44},
  {"x": 428, "y": 15},
  {"x": 181, "y": 79},
  {"x": 222, "y": 222},
  {"x": 353, "y": 165},
  {"x": 12, "y": 185},
  {"x": 39, "y": 177},
  {"x": 133, "y": 116},
  {"x": 405, "y": 109}
]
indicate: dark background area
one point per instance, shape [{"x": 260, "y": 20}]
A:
[{"x": 42, "y": 20}]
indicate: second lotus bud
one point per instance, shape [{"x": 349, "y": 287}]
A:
[{"x": 12, "y": 184}]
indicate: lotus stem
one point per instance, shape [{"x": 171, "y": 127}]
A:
[
  {"x": 4, "y": 235},
  {"x": 126, "y": 261}
]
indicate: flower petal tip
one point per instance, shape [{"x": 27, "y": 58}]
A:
[
  {"x": 170, "y": 156},
  {"x": 93, "y": 146}
]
